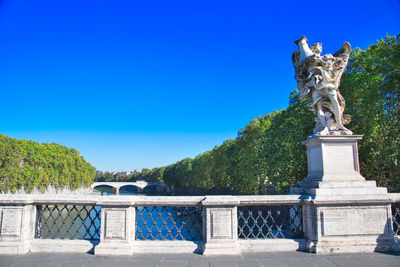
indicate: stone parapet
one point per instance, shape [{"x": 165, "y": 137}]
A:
[{"x": 352, "y": 223}]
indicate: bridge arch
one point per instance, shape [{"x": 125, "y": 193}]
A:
[
  {"x": 138, "y": 185},
  {"x": 112, "y": 188},
  {"x": 130, "y": 187}
]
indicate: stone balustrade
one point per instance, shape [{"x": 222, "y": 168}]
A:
[{"x": 126, "y": 225}]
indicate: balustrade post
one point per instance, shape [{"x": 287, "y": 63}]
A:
[
  {"x": 116, "y": 190},
  {"x": 220, "y": 225},
  {"x": 17, "y": 228},
  {"x": 117, "y": 232}
]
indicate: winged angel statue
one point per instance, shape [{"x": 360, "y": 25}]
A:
[{"x": 318, "y": 79}]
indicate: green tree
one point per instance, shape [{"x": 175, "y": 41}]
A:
[
  {"x": 371, "y": 86},
  {"x": 32, "y": 165}
]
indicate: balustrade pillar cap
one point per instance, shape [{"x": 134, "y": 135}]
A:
[{"x": 220, "y": 201}]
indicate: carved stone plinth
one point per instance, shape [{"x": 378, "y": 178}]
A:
[
  {"x": 17, "y": 224},
  {"x": 117, "y": 232},
  {"x": 220, "y": 226},
  {"x": 347, "y": 213}
]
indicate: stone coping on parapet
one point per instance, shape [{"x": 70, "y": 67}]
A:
[
  {"x": 214, "y": 200},
  {"x": 25, "y": 199},
  {"x": 395, "y": 197}
]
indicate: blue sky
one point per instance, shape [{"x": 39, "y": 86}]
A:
[{"x": 139, "y": 84}]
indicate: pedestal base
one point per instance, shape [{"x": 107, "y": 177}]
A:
[
  {"x": 221, "y": 248},
  {"x": 347, "y": 213},
  {"x": 350, "y": 246},
  {"x": 332, "y": 227},
  {"x": 17, "y": 247},
  {"x": 340, "y": 190}
]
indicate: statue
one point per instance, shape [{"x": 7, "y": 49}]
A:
[{"x": 318, "y": 79}]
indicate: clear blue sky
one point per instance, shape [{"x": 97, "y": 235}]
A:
[{"x": 139, "y": 84}]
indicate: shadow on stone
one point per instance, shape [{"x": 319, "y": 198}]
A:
[{"x": 94, "y": 243}]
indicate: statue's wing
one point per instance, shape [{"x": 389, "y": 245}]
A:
[
  {"x": 342, "y": 58},
  {"x": 343, "y": 52},
  {"x": 295, "y": 57}
]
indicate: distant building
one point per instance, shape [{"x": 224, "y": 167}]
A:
[{"x": 124, "y": 172}]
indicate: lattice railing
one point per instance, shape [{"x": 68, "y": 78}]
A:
[
  {"x": 169, "y": 223},
  {"x": 68, "y": 222},
  {"x": 396, "y": 218},
  {"x": 261, "y": 222}
]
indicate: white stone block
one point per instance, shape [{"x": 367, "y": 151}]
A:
[
  {"x": 167, "y": 246},
  {"x": 271, "y": 245},
  {"x": 60, "y": 246}
]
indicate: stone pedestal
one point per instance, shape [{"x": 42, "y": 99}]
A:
[
  {"x": 220, "y": 226},
  {"x": 117, "y": 232},
  {"x": 347, "y": 213}
]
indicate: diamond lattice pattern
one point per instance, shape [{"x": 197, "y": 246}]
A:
[
  {"x": 270, "y": 222},
  {"x": 68, "y": 222},
  {"x": 168, "y": 223}
]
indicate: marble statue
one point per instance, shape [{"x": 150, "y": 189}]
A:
[{"x": 318, "y": 79}]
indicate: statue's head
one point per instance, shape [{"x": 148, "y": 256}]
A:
[{"x": 316, "y": 48}]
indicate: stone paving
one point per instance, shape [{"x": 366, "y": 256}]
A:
[{"x": 297, "y": 259}]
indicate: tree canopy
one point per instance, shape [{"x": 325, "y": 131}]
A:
[
  {"x": 29, "y": 164},
  {"x": 371, "y": 86}
]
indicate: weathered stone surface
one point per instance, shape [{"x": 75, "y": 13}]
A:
[
  {"x": 11, "y": 220},
  {"x": 115, "y": 224},
  {"x": 17, "y": 224},
  {"x": 333, "y": 158},
  {"x": 353, "y": 220},
  {"x": 221, "y": 228}
]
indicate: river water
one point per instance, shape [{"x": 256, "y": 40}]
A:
[{"x": 152, "y": 223}]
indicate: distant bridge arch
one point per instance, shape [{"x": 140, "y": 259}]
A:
[
  {"x": 140, "y": 185},
  {"x": 131, "y": 186}
]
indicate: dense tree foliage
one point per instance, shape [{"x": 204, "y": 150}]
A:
[
  {"x": 371, "y": 86},
  {"x": 153, "y": 175},
  {"x": 32, "y": 165},
  {"x": 267, "y": 154}
]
